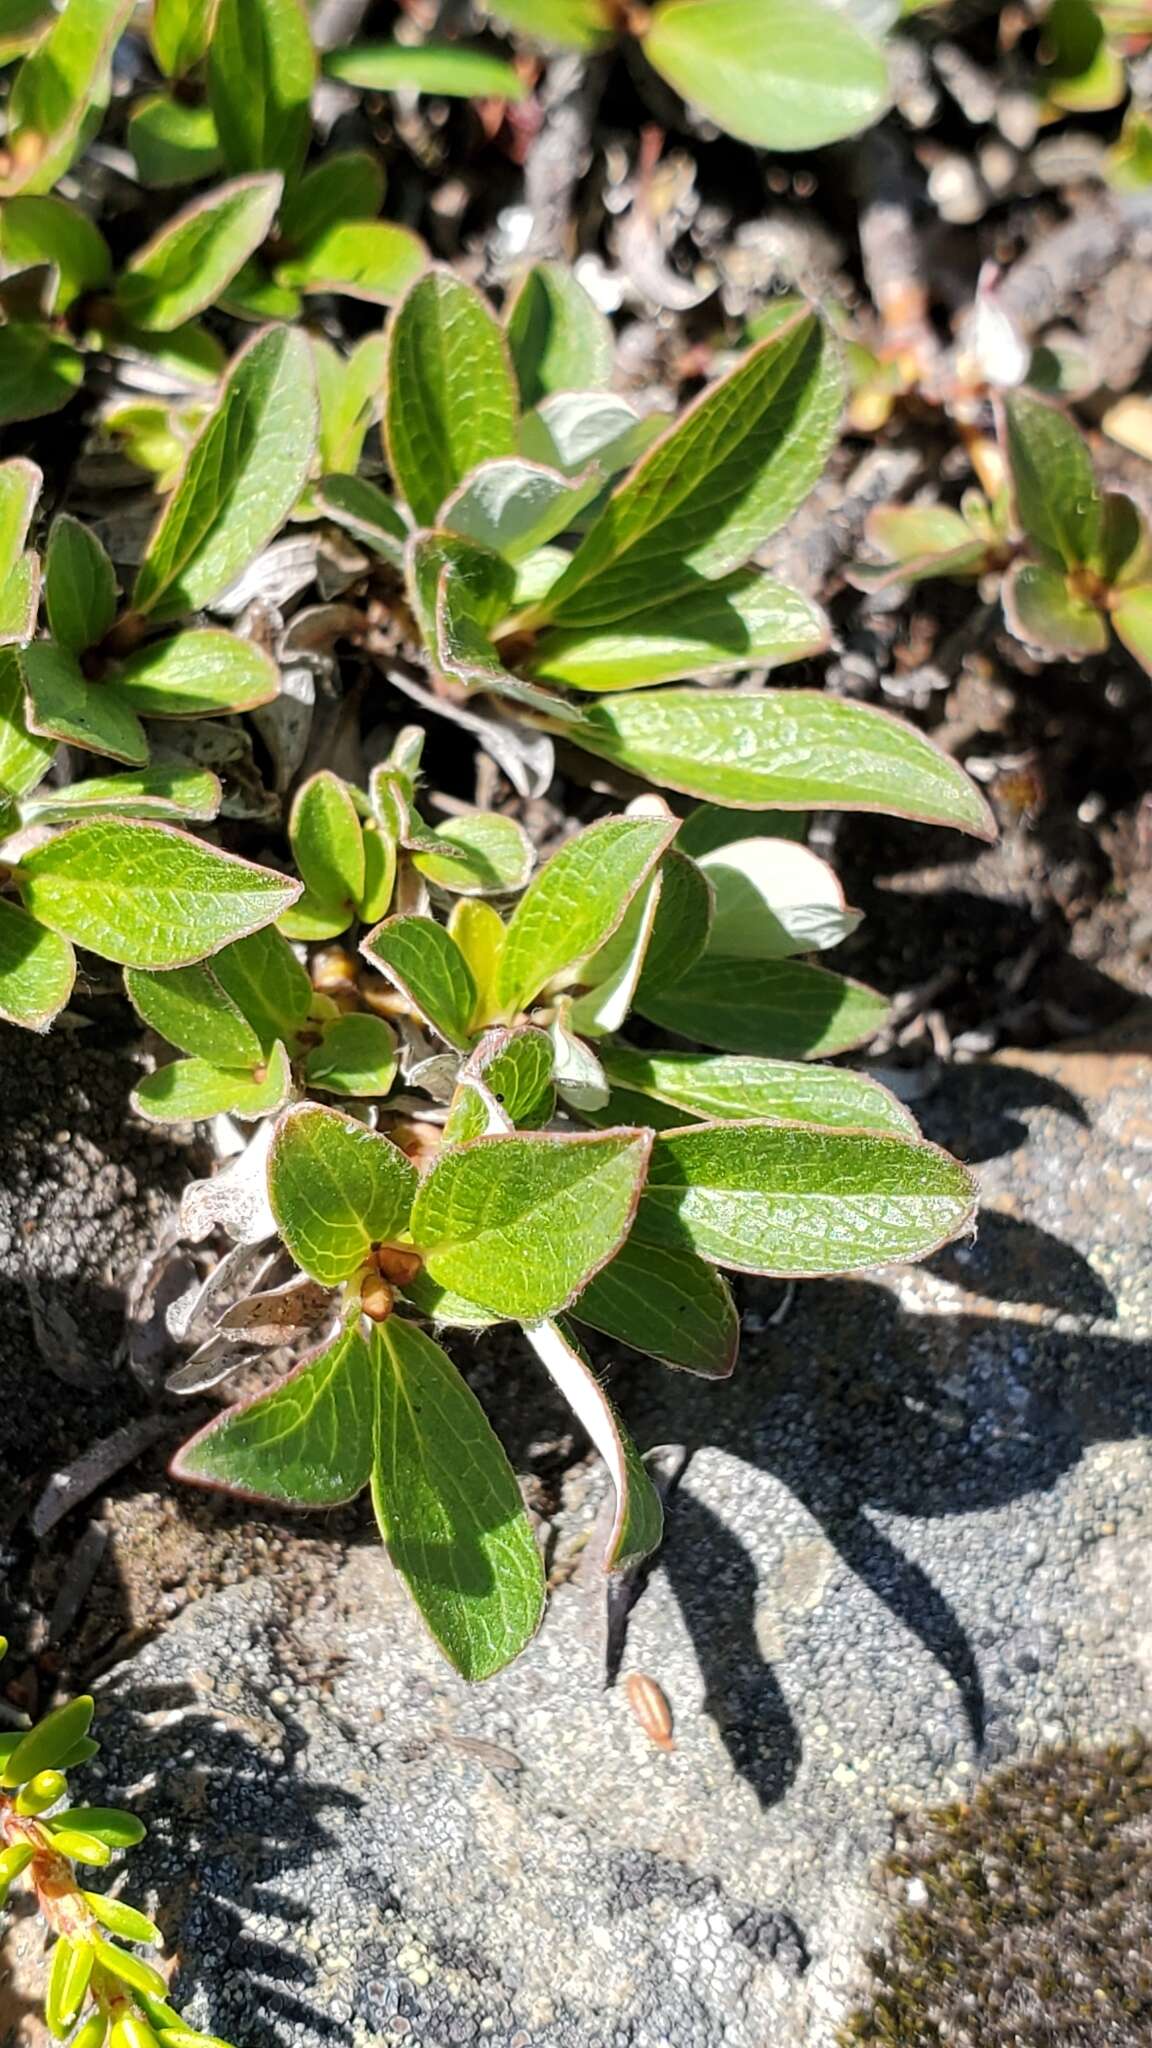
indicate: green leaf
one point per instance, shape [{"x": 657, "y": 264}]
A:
[
  {"x": 730, "y": 472},
  {"x": 189, "y": 261},
  {"x": 20, "y": 482},
  {"x": 123, "y": 1919},
  {"x": 128, "y": 1968},
  {"x": 307, "y": 1443},
  {"x": 49, "y": 230},
  {"x": 63, "y": 706},
  {"x": 782, "y": 1009},
  {"x": 266, "y": 981},
  {"x": 79, "y": 585},
  {"x": 786, "y": 749},
  {"x": 573, "y": 430},
  {"x": 610, "y": 978},
  {"x": 484, "y": 855},
  {"x": 665, "y": 1302},
  {"x": 60, "y": 92},
  {"x": 346, "y": 186},
  {"x": 1053, "y": 481},
  {"x": 243, "y": 475},
  {"x": 427, "y": 966},
  {"x": 918, "y": 542},
  {"x": 1081, "y": 73},
  {"x": 785, "y": 74},
  {"x": 559, "y": 338},
  {"x": 572, "y": 24},
  {"x": 173, "y": 144},
  {"x": 449, "y": 1508},
  {"x": 576, "y": 902},
  {"x": 192, "y": 675},
  {"x": 162, "y": 900},
  {"x": 520, "y": 1224},
  {"x": 350, "y": 390},
  {"x": 511, "y": 1070},
  {"x": 43, "y": 1746},
  {"x": 734, "y": 1087},
  {"x": 682, "y": 923},
  {"x": 774, "y": 898},
  {"x": 365, "y": 512},
  {"x": 24, "y": 755},
  {"x": 750, "y": 621},
  {"x": 156, "y": 792},
  {"x": 1132, "y": 619},
  {"x": 20, "y": 601},
  {"x": 356, "y": 1057},
  {"x": 180, "y": 32},
  {"x": 458, "y": 591},
  {"x": 39, "y": 371},
  {"x": 191, "y": 1008},
  {"x": 37, "y": 970},
  {"x": 363, "y": 259},
  {"x": 328, "y": 848},
  {"x": 1042, "y": 607},
  {"x": 336, "y": 1189},
  {"x": 461, "y": 71},
  {"x": 188, "y": 1091},
  {"x": 261, "y": 70},
  {"x": 793, "y": 1201},
  {"x": 68, "y": 1976},
  {"x": 638, "y": 1524},
  {"x": 110, "y": 1824},
  {"x": 451, "y": 400},
  {"x": 513, "y": 506}
]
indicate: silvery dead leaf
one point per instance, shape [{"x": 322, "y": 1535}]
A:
[
  {"x": 213, "y": 1362},
  {"x": 436, "y": 1077},
  {"x": 157, "y": 1283},
  {"x": 226, "y": 749},
  {"x": 235, "y": 1200},
  {"x": 277, "y": 1314},
  {"x": 527, "y": 758},
  {"x": 580, "y": 1079},
  {"x": 284, "y": 725},
  {"x": 339, "y": 563},
  {"x": 993, "y": 338},
  {"x": 197, "y": 1310},
  {"x": 316, "y": 629},
  {"x": 281, "y": 572}
]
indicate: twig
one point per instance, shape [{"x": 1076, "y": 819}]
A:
[{"x": 68, "y": 1487}]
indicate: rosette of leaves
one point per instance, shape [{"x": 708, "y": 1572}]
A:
[
  {"x": 563, "y": 1173},
  {"x": 98, "y": 1989}
]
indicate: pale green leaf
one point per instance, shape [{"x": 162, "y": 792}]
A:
[
  {"x": 1132, "y": 620},
  {"x": 336, "y": 1189},
  {"x": 576, "y": 902},
  {"x": 173, "y": 144},
  {"x": 682, "y": 923},
  {"x": 750, "y": 621},
  {"x": 576, "y": 430},
  {"x": 773, "y": 898},
  {"x": 484, "y": 854},
  {"x": 346, "y": 186},
  {"x": 191, "y": 675},
  {"x": 665, "y": 1301},
  {"x": 513, "y": 506},
  {"x": 59, "y": 93},
  {"x": 79, "y": 585},
  {"x": 190, "y": 1090},
  {"x": 62, "y": 705},
  {"x": 1057, "y": 497},
  {"x": 734, "y": 1086},
  {"x": 356, "y": 1057},
  {"x": 39, "y": 371},
  {"x": 478, "y": 930},
  {"x": 264, "y": 978},
  {"x": 49, "y": 230},
  {"x": 559, "y": 338},
  {"x": 782, "y": 1009},
  {"x": 192, "y": 1009},
  {"x": 155, "y": 792},
  {"x": 1042, "y": 607},
  {"x": 514, "y": 1072},
  {"x": 793, "y": 1201},
  {"x": 189, "y": 261},
  {"x": 308, "y": 1443},
  {"x": 24, "y": 755},
  {"x": 20, "y": 601},
  {"x": 784, "y": 74},
  {"x": 37, "y": 969},
  {"x": 351, "y": 393},
  {"x": 180, "y": 32},
  {"x": 261, "y": 70},
  {"x": 572, "y": 24},
  {"x": 611, "y": 977},
  {"x": 426, "y": 965},
  {"x": 451, "y": 396},
  {"x": 451, "y": 70},
  {"x": 20, "y": 482},
  {"x": 638, "y": 1523},
  {"x": 363, "y": 259}
]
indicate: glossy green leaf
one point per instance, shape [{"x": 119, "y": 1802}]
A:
[
  {"x": 121, "y": 1963},
  {"x": 59, "y": 93},
  {"x": 784, "y": 74},
  {"x": 682, "y": 923},
  {"x": 49, "y": 230},
  {"x": 520, "y": 1224},
  {"x": 782, "y": 1009},
  {"x": 20, "y": 600},
  {"x": 1042, "y": 608},
  {"x": 328, "y": 849},
  {"x": 266, "y": 981},
  {"x": 576, "y": 902},
  {"x": 242, "y": 477},
  {"x": 25, "y": 756},
  {"x": 1057, "y": 497},
  {"x": 43, "y": 1746},
  {"x": 786, "y": 749},
  {"x": 309, "y": 1442},
  {"x": 665, "y": 1301},
  {"x": 572, "y": 24},
  {"x": 1082, "y": 73},
  {"x": 351, "y": 391},
  {"x": 638, "y": 1523},
  {"x": 173, "y": 144},
  {"x": 348, "y": 185},
  {"x": 37, "y": 970},
  {"x": 451, "y": 396},
  {"x": 513, "y": 506},
  {"x": 68, "y": 1975},
  {"x": 449, "y": 1508},
  {"x": 364, "y": 259},
  {"x": 514, "y": 1072},
  {"x": 559, "y": 338},
  {"x": 356, "y": 1057},
  {"x": 62, "y": 705},
  {"x": 122, "y": 1919},
  {"x": 191, "y": 1008},
  {"x": 611, "y": 977},
  {"x": 193, "y": 674},
  {"x": 478, "y": 930},
  {"x": 109, "y": 1824},
  {"x": 426, "y": 965},
  {"x": 731, "y": 1086},
  {"x": 364, "y": 511},
  {"x": 20, "y": 482},
  {"x": 730, "y": 472},
  {"x": 709, "y": 826},
  {"x": 380, "y": 864},
  {"x": 180, "y": 32},
  {"x": 1132, "y": 620},
  {"x": 261, "y": 70},
  {"x": 155, "y": 792},
  {"x": 773, "y": 898},
  {"x": 163, "y": 899},
  {"x": 39, "y": 371},
  {"x": 750, "y": 621},
  {"x": 336, "y": 1189},
  {"x": 484, "y": 854},
  {"x": 451, "y": 70},
  {"x": 79, "y": 585},
  {"x": 188, "y": 1091},
  {"x": 189, "y": 261},
  {"x": 789, "y": 1200}
]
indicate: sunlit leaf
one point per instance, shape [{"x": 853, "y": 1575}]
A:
[
  {"x": 336, "y": 1190},
  {"x": 451, "y": 70},
  {"x": 575, "y": 903},
  {"x": 189, "y": 1090},
  {"x": 782, "y": 1009},
  {"x": 785, "y": 74},
  {"x": 309, "y": 1442},
  {"x": 37, "y": 969},
  {"x": 261, "y": 70},
  {"x": 560, "y": 340},
  {"x": 189, "y": 261},
  {"x": 451, "y": 395},
  {"x": 735, "y": 1086}
]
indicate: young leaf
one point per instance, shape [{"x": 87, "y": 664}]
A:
[
  {"x": 37, "y": 970},
  {"x": 109, "y": 1824},
  {"x": 49, "y": 230},
  {"x": 1042, "y": 607},
  {"x": 782, "y": 1009},
  {"x": 1057, "y": 496},
  {"x": 267, "y": 983},
  {"x": 156, "y": 792},
  {"x": 79, "y": 585},
  {"x": 180, "y": 32},
  {"x": 39, "y": 371},
  {"x": 484, "y": 855},
  {"x": 362, "y": 509},
  {"x": 513, "y": 506},
  {"x": 52, "y": 1737},
  {"x": 192, "y": 675},
  {"x": 343, "y": 187},
  {"x": 786, "y": 749},
  {"x": 729, "y": 473},
  {"x": 1132, "y": 620},
  {"x": 123, "y": 1919},
  {"x": 308, "y": 1443},
  {"x": 785, "y": 74},
  {"x": 328, "y": 848},
  {"x": 192, "y": 1009},
  {"x": 917, "y": 542},
  {"x": 356, "y": 1057},
  {"x": 576, "y": 902},
  {"x": 772, "y": 899},
  {"x": 426, "y": 965},
  {"x": 613, "y": 974},
  {"x": 173, "y": 144},
  {"x": 514, "y": 1069},
  {"x": 162, "y": 900},
  {"x": 67, "y": 1985},
  {"x": 479, "y": 931},
  {"x": 520, "y": 1224},
  {"x": 242, "y": 477},
  {"x": 451, "y": 70},
  {"x": 336, "y": 1190},
  {"x": 189, "y": 261},
  {"x": 749, "y": 621},
  {"x": 559, "y": 338},
  {"x": 189, "y": 1091},
  {"x": 734, "y": 1087},
  {"x": 665, "y": 1302},
  {"x": 794, "y": 1201},
  {"x": 638, "y": 1524},
  {"x": 364, "y": 259},
  {"x": 261, "y": 70},
  {"x": 572, "y": 24},
  {"x": 451, "y": 398},
  {"x": 63, "y": 706},
  {"x": 576, "y": 430},
  {"x": 449, "y": 1508},
  {"x": 25, "y": 756}
]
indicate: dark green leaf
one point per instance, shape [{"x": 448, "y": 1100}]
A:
[
  {"x": 63, "y": 706},
  {"x": 451, "y": 398},
  {"x": 667, "y": 1302},
  {"x": 173, "y": 144},
  {"x": 37, "y": 970},
  {"x": 682, "y": 923},
  {"x": 783, "y": 1009},
  {"x": 343, "y": 187},
  {"x": 1057, "y": 496},
  {"x": 79, "y": 585},
  {"x": 24, "y": 755},
  {"x": 261, "y": 70},
  {"x": 425, "y": 964},
  {"x": 356, "y": 1057},
  {"x": 264, "y": 978},
  {"x": 49, "y": 230},
  {"x": 559, "y": 338},
  {"x": 39, "y": 372},
  {"x": 190, "y": 1007},
  {"x": 750, "y": 621}
]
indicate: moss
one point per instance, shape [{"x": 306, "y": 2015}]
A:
[{"x": 1025, "y": 1918}]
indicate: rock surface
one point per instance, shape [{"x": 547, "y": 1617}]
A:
[{"x": 908, "y": 1544}]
